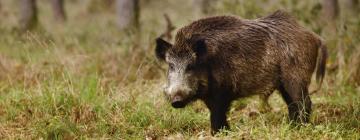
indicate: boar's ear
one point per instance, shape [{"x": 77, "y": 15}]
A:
[
  {"x": 161, "y": 47},
  {"x": 200, "y": 47}
]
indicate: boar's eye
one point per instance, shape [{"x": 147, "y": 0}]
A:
[
  {"x": 171, "y": 66},
  {"x": 190, "y": 67}
]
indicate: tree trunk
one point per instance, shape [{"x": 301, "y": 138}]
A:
[
  {"x": 28, "y": 15},
  {"x": 58, "y": 9},
  {"x": 206, "y": 6},
  {"x": 330, "y": 9},
  {"x": 109, "y": 3},
  {"x": 354, "y": 67},
  {"x": 127, "y": 13},
  {"x": 352, "y": 7}
]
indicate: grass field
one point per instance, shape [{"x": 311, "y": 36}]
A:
[{"x": 85, "y": 79}]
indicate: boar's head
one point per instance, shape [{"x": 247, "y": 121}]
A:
[{"x": 187, "y": 69}]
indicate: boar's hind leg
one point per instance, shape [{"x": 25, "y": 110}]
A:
[{"x": 297, "y": 98}]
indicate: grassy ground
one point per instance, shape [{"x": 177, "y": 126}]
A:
[{"x": 85, "y": 79}]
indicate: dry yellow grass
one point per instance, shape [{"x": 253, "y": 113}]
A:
[{"x": 87, "y": 80}]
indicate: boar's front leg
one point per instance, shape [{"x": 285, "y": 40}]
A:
[{"x": 218, "y": 107}]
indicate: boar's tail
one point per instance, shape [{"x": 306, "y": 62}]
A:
[{"x": 321, "y": 65}]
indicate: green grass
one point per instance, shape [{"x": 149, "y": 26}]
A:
[{"x": 84, "y": 79}]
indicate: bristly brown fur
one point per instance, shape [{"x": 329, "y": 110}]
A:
[{"x": 247, "y": 57}]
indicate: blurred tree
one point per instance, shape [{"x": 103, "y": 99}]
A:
[
  {"x": 127, "y": 13},
  {"x": 206, "y": 6},
  {"x": 351, "y": 6},
  {"x": 28, "y": 15},
  {"x": 355, "y": 67},
  {"x": 58, "y": 9},
  {"x": 330, "y": 9}
]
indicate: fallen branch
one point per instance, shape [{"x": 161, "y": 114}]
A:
[{"x": 169, "y": 28}]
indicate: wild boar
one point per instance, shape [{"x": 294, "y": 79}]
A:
[{"x": 220, "y": 59}]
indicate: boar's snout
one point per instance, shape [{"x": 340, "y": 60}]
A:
[
  {"x": 178, "y": 102},
  {"x": 178, "y": 96}
]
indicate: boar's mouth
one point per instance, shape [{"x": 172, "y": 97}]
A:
[
  {"x": 179, "y": 102},
  {"x": 182, "y": 102}
]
